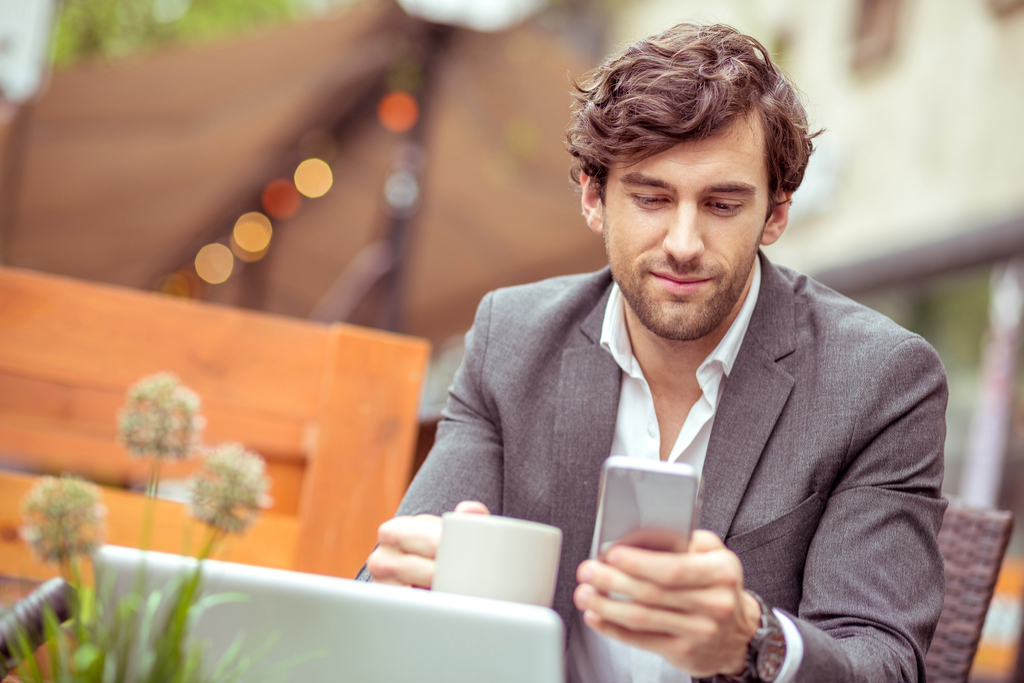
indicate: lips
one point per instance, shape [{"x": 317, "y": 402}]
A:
[{"x": 676, "y": 284}]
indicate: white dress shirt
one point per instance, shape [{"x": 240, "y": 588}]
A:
[{"x": 591, "y": 657}]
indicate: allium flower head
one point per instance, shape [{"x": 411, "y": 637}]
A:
[
  {"x": 230, "y": 488},
  {"x": 160, "y": 418},
  {"x": 63, "y": 518}
]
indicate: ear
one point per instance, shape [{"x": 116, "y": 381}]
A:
[
  {"x": 778, "y": 221},
  {"x": 593, "y": 208}
]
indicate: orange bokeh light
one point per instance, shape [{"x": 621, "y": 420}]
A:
[
  {"x": 252, "y": 232},
  {"x": 175, "y": 284},
  {"x": 313, "y": 178},
  {"x": 243, "y": 254},
  {"x": 398, "y": 111},
  {"x": 280, "y": 199},
  {"x": 214, "y": 263}
]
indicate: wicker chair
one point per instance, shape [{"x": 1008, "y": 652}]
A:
[{"x": 972, "y": 542}]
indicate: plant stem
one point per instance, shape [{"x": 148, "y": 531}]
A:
[
  {"x": 169, "y": 646},
  {"x": 149, "y": 505},
  {"x": 213, "y": 535},
  {"x": 77, "y": 609},
  {"x": 73, "y": 576},
  {"x": 76, "y": 574},
  {"x": 154, "y": 478}
]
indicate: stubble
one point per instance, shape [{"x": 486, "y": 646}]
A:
[{"x": 680, "y": 320}]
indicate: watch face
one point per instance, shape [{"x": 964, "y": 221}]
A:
[{"x": 771, "y": 652}]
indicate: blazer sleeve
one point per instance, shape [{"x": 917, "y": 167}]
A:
[{"x": 873, "y": 577}]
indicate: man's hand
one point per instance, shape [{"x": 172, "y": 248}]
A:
[
  {"x": 690, "y": 608},
  {"x": 406, "y": 547}
]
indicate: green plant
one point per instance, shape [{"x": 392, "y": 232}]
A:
[{"x": 133, "y": 640}]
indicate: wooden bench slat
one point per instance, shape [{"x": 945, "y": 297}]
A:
[
  {"x": 99, "y": 460},
  {"x": 269, "y": 543},
  {"x": 81, "y": 335},
  {"x": 30, "y": 445},
  {"x": 93, "y": 412}
]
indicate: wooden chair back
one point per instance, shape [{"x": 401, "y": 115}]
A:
[
  {"x": 333, "y": 409},
  {"x": 973, "y": 542}
]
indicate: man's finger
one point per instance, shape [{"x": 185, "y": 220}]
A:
[
  {"x": 714, "y": 600},
  {"x": 417, "y": 535},
  {"x": 638, "y": 617},
  {"x": 684, "y": 655},
  {"x": 389, "y": 565},
  {"x": 610, "y": 581},
  {"x": 472, "y": 507},
  {"x": 679, "y": 570},
  {"x": 653, "y": 642},
  {"x": 704, "y": 541}
]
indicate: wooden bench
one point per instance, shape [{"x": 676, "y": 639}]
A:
[{"x": 333, "y": 410}]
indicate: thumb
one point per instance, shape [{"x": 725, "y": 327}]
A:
[
  {"x": 704, "y": 541},
  {"x": 472, "y": 507}
]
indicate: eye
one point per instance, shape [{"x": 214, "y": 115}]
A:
[
  {"x": 724, "y": 208},
  {"x": 649, "y": 201}
]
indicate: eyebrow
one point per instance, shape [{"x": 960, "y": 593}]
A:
[
  {"x": 637, "y": 178},
  {"x": 732, "y": 188}
]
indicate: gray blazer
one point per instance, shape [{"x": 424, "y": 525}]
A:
[{"x": 822, "y": 474}]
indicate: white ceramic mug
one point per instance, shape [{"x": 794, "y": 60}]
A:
[{"x": 498, "y": 557}]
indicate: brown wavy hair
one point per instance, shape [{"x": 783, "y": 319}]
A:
[{"x": 686, "y": 84}]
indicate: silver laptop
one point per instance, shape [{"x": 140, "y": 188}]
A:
[{"x": 319, "y": 628}]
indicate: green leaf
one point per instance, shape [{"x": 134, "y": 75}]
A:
[
  {"x": 89, "y": 29},
  {"x": 85, "y": 656}
]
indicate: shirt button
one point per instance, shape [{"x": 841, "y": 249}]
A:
[{"x": 652, "y": 431}]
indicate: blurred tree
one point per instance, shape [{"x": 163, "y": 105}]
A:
[{"x": 91, "y": 29}]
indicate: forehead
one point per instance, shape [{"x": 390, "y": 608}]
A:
[{"x": 734, "y": 155}]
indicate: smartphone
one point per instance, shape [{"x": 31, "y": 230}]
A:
[{"x": 647, "y": 504}]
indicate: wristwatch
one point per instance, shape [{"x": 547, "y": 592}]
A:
[{"x": 766, "y": 653}]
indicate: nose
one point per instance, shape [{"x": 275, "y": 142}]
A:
[{"x": 684, "y": 241}]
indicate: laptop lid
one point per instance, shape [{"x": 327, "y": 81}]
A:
[{"x": 322, "y": 628}]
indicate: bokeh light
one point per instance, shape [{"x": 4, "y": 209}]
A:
[
  {"x": 214, "y": 263},
  {"x": 398, "y": 111},
  {"x": 246, "y": 255},
  {"x": 280, "y": 199},
  {"x": 313, "y": 178},
  {"x": 176, "y": 284},
  {"x": 252, "y": 231},
  {"x": 401, "y": 192}
]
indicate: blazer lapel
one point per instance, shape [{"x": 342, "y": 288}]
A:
[
  {"x": 588, "y": 401},
  {"x": 755, "y": 393}
]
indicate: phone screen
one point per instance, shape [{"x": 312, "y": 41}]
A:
[{"x": 648, "y": 504}]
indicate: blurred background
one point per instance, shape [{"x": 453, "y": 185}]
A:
[{"x": 388, "y": 163}]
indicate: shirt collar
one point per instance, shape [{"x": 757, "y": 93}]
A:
[{"x": 615, "y": 335}]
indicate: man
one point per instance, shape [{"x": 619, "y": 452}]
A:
[{"x": 817, "y": 424}]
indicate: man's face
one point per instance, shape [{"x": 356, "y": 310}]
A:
[{"x": 682, "y": 230}]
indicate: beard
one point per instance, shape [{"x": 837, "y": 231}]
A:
[{"x": 680, "y": 320}]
